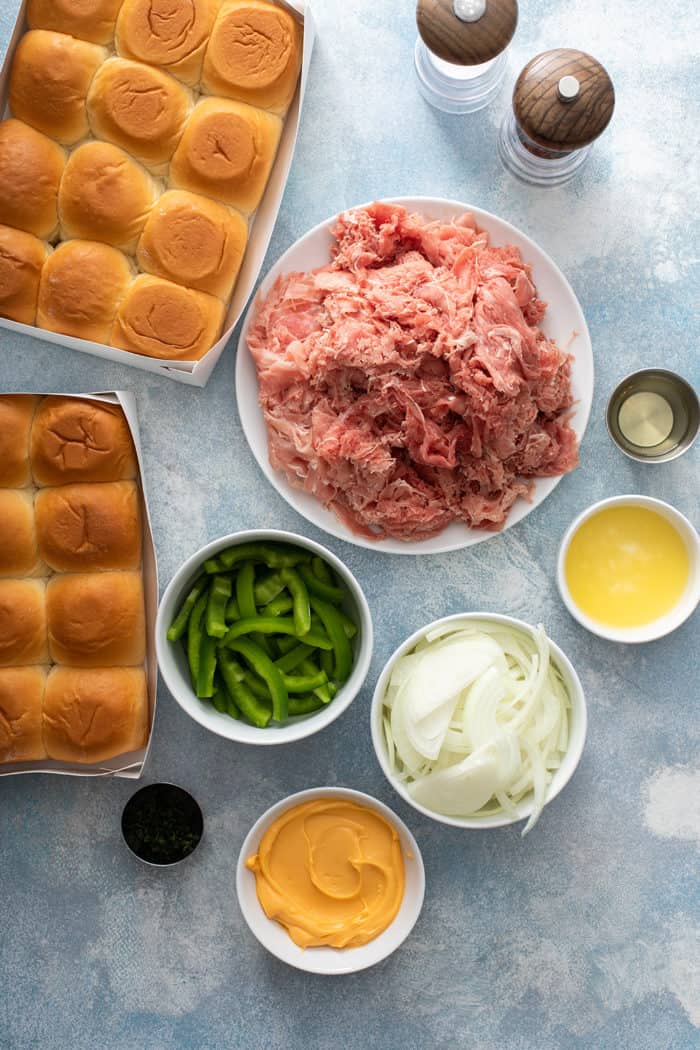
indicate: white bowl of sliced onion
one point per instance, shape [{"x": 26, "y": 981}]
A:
[{"x": 479, "y": 720}]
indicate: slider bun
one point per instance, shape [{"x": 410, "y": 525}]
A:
[
  {"x": 88, "y": 19},
  {"x": 49, "y": 82},
  {"x": 93, "y": 715},
  {"x": 254, "y": 54},
  {"x": 21, "y": 696},
  {"x": 22, "y": 256},
  {"x": 164, "y": 320},
  {"x": 18, "y": 546},
  {"x": 139, "y": 108},
  {"x": 87, "y": 528},
  {"x": 78, "y": 440},
  {"x": 226, "y": 152},
  {"x": 16, "y": 415},
  {"x": 96, "y": 619},
  {"x": 82, "y": 284},
  {"x": 105, "y": 196},
  {"x": 172, "y": 34},
  {"x": 22, "y": 622},
  {"x": 31, "y": 166},
  {"x": 194, "y": 241}
]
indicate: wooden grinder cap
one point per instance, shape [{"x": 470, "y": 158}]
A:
[
  {"x": 466, "y": 43},
  {"x": 563, "y": 99}
]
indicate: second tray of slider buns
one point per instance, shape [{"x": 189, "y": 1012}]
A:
[
  {"x": 141, "y": 140},
  {"x": 72, "y": 619}
]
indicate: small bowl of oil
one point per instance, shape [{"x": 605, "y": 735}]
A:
[
  {"x": 629, "y": 569},
  {"x": 653, "y": 416}
]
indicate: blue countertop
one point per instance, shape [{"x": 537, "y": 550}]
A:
[{"x": 587, "y": 933}]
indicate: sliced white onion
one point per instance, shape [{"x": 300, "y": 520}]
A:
[{"x": 476, "y": 719}]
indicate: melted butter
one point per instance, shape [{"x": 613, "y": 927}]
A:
[
  {"x": 331, "y": 872},
  {"x": 626, "y": 566}
]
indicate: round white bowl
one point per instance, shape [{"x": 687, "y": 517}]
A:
[
  {"x": 323, "y": 960},
  {"x": 564, "y": 322},
  {"x": 173, "y": 662},
  {"x": 577, "y": 727},
  {"x": 686, "y": 604}
]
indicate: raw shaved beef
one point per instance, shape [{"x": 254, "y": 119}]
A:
[{"x": 407, "y": 384}]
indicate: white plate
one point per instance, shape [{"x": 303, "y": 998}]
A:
[
  {"x": 275, "y": 938},
  {"x": 564, "y": 322}
]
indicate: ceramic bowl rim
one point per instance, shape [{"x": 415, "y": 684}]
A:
[
  {"x": 577, "y": 733},
  {"x": 223, "y": 725}
]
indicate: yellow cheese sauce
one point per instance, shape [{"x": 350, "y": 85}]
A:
[
  {"x": 331, "y": 872},
  {"x": 626, "y": 566}
]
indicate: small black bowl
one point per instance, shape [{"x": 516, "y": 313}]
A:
[{"x": 162, "y": 824}]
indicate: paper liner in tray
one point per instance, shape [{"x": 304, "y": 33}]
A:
[
  {"x": 127, "y": 765},
  {"x": 196, "y": 373}
]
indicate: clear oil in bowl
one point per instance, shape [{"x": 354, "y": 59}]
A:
[{"x": 653, "y": 415}]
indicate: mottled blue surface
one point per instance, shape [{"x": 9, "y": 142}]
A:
[{"x": 586, "y": 934}]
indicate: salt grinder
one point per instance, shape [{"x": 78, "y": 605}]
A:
[
  {"x": 460, "y": 53},
  {"x": 562, "y": 101}
]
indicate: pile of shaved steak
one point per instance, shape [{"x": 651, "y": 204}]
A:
[{"x": 407, "y": 384}]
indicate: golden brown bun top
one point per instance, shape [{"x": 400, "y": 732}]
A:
[
  {"x": 21, "y": 695},
  {"x": 222, "y": 145},
  {"x": 254, "y": 54},
  {"x": 96, "y": 619},
  {"x": 18, "y": 549},
  {"x": 139, "y": 108},
  {"x": 105, "y": 195},
  {"x": 76, "y": 439},
  {"x": 49, "y": 81},
  {"x": 31, "y": 166},
  {"x": 93, "y": 714},
  {"x": 194, "y": 241},
  {"x": 87, "y": 19},
  {"x": 22, "y": 256},
  {"x": 167, "y": 33},
  {"x": 161, "y": 319},
  {"x": 23, "y": 622},
  {"x": 16, "y": 414},
  {"x": 82, "y": 284},
  {"x": 89, "y": 528}
]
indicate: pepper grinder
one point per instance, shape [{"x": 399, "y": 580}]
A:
[
  {"x": 460, "y": 55},
  {"x": 562, "y": 101}
]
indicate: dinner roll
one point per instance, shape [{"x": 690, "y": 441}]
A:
[
  {"x": 93, "y": 715},
  {"x": 87, "y": 528},
  {"x": 22, "y": 256},
  {"x": 22, "y": 622},
  {"x": 139, "y": 108},
  {"x": 226, "y": 152},
  {"x": 31, "y": 166},
  {"x": 77, "y": 440},
  {"x": 168, "y": 33},
  {"x": 82, "y": 284},
  {"x": 254, "y": 54},
  {"x": 21, "y": 697},
  {"x": 88, "y": 19},
  {"x": 96, "y": 619},
  {"x": 194, "y": 241},
  {"x": 105, "y": 196},
  {"x": 164, "y": 320},
  {"x": 18, "y": 545},
  {"x": 49, "y": 82},
  {"x": 16, "y": 415}
]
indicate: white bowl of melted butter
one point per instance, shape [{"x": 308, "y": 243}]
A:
[{"x": 629, "y": 569}]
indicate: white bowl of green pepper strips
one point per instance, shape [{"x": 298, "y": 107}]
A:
[{"x": 264, "y": 637}]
